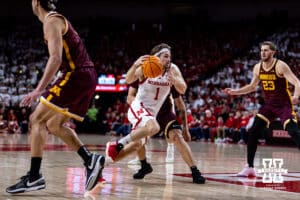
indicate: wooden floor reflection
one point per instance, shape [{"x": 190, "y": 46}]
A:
[{"x": 64, "y": 172}]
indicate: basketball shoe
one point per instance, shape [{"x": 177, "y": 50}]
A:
[
  {"x": 26, "y": 184},
  {"x": 113, "y": 149},
  {"x": 145, "y": 169},
  {"x": 94, "y": 170},
  {"x": 247, "y": 172},
  {"x": 197, "y": 178}
]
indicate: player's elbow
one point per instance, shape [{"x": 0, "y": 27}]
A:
[
  {"x": 128, "y": 80},
  {"x": 182, "y": 89}
]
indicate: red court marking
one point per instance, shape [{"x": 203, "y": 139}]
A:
[
  {"x": 48, "y": 147},
  {"x": 55, "y": 147}
]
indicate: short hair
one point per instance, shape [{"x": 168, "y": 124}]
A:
[
  {"x": 48, "y": 5},
  {"x": 268, "y": 43},
  {"x": 159, "y": 47}
]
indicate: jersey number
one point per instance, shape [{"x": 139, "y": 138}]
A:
[
  {"x": 156, "y": 95},
  {"x": 268, "y": 85}
]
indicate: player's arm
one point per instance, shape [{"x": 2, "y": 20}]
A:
[
  {"x": 177, "y": 80},
  {"x": 180, "y": 105},
  {"x": 131, "y": 94},
  {"x": 285, "y": 70},
  {"x": 247, "y": 88},
  {"x": 53, "y": 29},
  {"x": 135, "y": 71}
]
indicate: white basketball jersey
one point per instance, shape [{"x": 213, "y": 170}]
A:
[{"x": 153, "y": 92}]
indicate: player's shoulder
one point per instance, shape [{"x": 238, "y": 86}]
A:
[
  {"x": 174, "y": 65},
  {"x": 257, "y": 66},
  {"x": 281, "y": 62}
]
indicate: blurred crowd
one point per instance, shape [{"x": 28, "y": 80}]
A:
[{"x": 210, "y": 59}]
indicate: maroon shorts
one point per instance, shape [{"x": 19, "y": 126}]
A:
[
  {"x": 72, "y": 92},
  {"x": 284, "y": 111},
  {"x": 166, "y": 121}
]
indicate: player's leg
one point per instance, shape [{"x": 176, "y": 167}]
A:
[
  {"x": 94, "y": 163},
  {"x": 33, "y": 180},
  {"x": 174, "y": 135},
  {"x": 259, "y": 125},
  {"x": 146, "y": 168},
  {"x": 148, "y": 127},
  {"x": 291, "y": 127},
  {"x": 130, "y": 148}
]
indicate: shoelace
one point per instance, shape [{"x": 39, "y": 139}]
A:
[{"x": 23, "y": 178}]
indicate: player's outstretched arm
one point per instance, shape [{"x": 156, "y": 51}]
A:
[{"x": 247, "y": 88}]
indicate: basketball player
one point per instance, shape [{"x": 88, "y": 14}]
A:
[
  {"x": 274, "y": 75},
  {"x": 173, "y": 131},
  {"x": 144, "y": 108},
  {"x": 68, "y": 97},
  {"x": 150, "y": 97}
]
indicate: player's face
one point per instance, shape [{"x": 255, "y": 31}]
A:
[
  {"x": 165, "y": 59},
  {"x": 266, "y": 53},
  {"x": 34, "y": 5}
]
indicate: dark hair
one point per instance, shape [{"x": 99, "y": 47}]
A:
[
  {"x": 48, "y": 5},
  {"x": 270, "y": 44},
  {"x": 159, "y": 47}
]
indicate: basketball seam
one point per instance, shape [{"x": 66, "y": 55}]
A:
[
  {"x": 160, "y": 69},
  {"x": 155, "y": 64},
  {"x": 151, "y": 69}
]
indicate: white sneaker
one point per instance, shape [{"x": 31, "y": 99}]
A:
[
  {"x": 170, "y": 153},
  {"x": 218, "y": 140},
  {"x": 241, "y": 141},
  {"x": 135, "y": 161},
  {"x": 247, "y": 172}
]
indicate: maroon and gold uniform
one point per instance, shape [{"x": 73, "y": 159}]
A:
[
  {"x": 277, "y": 96},
  {"x": 74, "y": 87}
]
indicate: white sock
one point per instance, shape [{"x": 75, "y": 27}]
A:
[{"x": 125, "y": 140}]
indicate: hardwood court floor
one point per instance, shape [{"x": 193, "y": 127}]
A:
[{"x": 64, "y": 172}]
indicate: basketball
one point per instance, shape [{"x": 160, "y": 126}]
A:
[{"x": 152, "y": 67}]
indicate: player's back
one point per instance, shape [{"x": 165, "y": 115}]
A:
[{"x": 74, "y": 55}]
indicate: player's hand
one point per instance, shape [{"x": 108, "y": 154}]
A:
[
  {"x": 295, "y": 100},
  {"x": 228, "y": 91},
  {"x": 140, "y": 60},
  {"x": 186, "y": 135},
  {"x": 139, "y": 72},
  {"x": 30, "y": 98}
]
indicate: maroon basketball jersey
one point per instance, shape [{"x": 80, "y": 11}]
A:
[
  {"x": 275, "y": 88},
  {"x": 74, "y": 55}
]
